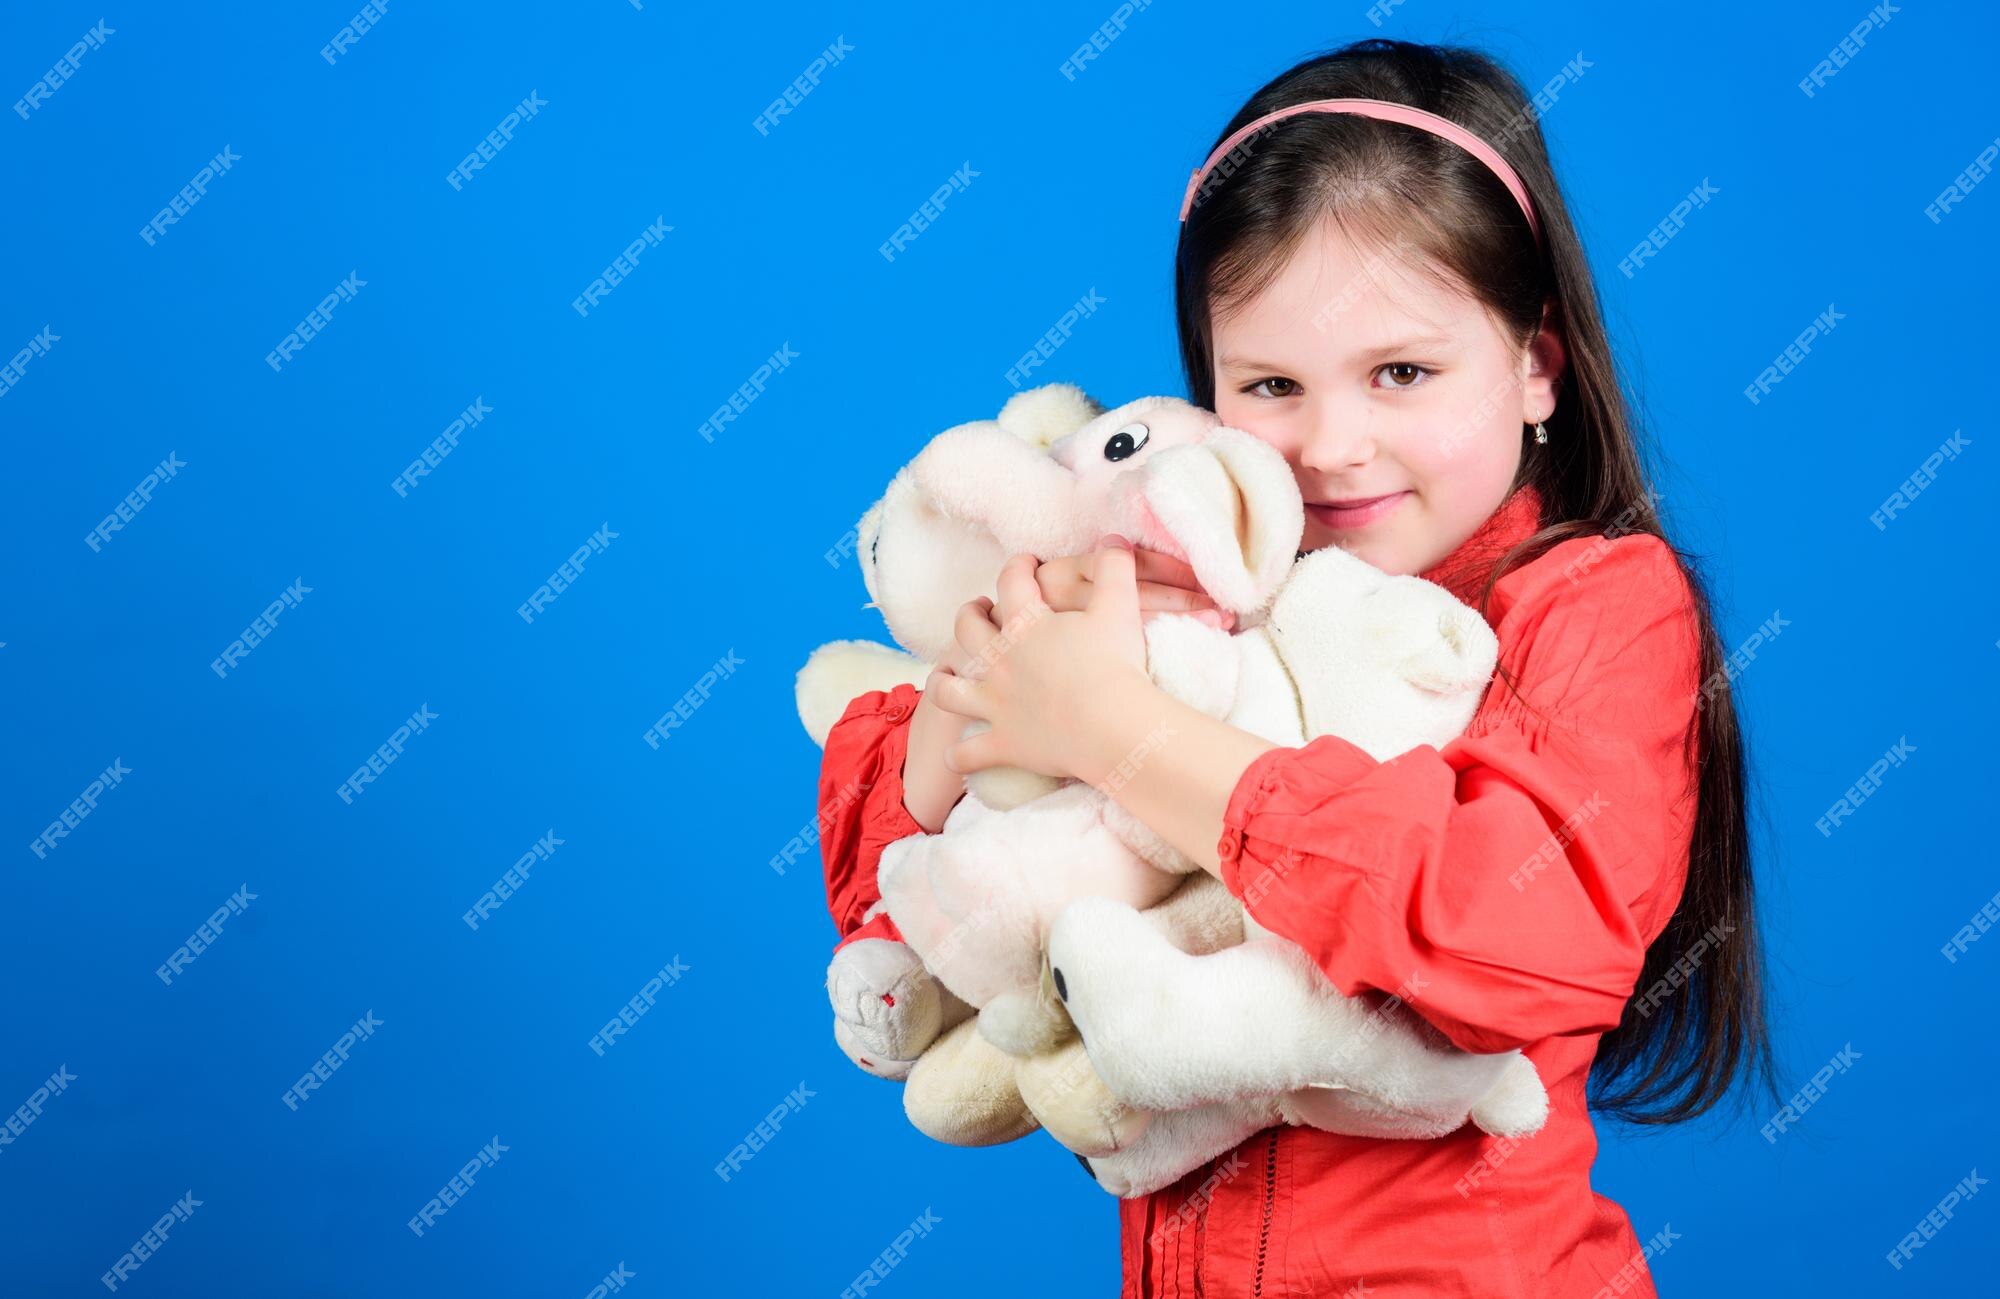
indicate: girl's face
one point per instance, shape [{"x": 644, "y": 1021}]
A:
[{"x": 1398, "y": 403}]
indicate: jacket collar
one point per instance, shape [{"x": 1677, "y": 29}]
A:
[{"x": 1464, "y": 570}]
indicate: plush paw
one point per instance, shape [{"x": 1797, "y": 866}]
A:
[
  {"x": 1027, "y": 1024},
  {"x": 1107, "y": 965},
  {"x": 1518, "y": 1104},
  {"x": 1074, "y": 1106},
  {"x": 963, "y": 1092},
  {"x": 891, "y": 1005},
  {"x": 864, "y": 1059}
]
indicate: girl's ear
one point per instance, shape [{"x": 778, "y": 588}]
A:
[{"x": 1546, "y": 361}]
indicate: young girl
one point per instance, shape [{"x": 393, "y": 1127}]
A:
[{"x": 1399, "y": 304}]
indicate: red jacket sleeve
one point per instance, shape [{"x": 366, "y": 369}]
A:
[
  {"x": 1507, "y": 885},
  {"x": 861, "y": 808}
]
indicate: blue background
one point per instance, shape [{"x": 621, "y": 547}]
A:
[{"x": 720, "y": 547}]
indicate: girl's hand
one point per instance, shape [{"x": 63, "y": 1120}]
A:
[
  {"x": 1041, "y": 677},
  {"x": 1166, "y": 585}
]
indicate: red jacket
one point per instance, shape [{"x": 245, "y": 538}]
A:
[{"x": 1506, "y": 886}]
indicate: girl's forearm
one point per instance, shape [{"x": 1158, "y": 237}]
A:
[
  {"x": 931, "y": 789},
  {"x": 1166, "y": 763}
]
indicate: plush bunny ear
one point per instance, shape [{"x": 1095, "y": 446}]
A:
[
  {"x": 920, "y": 564},
  {"x": 983, "y": 476},
  {"x": 1042, "y": 416},
  {"x": 1233, "y": 505}
]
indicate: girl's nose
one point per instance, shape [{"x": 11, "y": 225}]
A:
[{"x": 1336, "y": 444}]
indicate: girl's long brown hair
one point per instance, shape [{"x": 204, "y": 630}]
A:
[{"x": 1672, "y": 1057}]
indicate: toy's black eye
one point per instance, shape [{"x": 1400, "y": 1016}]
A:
[
  {"x": 875, "y": 549},
  {"x": 1125, "y": 443}
]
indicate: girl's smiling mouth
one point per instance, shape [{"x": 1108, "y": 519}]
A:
[{"x": 1355, "y": 511}]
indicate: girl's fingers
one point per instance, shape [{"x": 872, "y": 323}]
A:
[
  {"x": 956, "y": 694},
  {"x": 974, "y": 753},
  {"x": 1156, "y": 566},
  {"x": 1018, "y": 591},
  {"x": 975, "y": 635},
  {"x": 1113, "y": 592},
  {"x": 1156, "y": 597}
]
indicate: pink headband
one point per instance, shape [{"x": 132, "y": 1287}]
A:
[{"x": 1387, "y": 112}]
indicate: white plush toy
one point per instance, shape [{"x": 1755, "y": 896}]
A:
[{"x": 1177, "y": 1013}]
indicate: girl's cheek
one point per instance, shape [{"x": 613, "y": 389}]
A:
[
  {"x": 1469, "y": 472},
  {"x": 1260, "y": 424}
]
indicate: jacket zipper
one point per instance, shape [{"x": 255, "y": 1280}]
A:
[{"x": 1270, "y": 1193}]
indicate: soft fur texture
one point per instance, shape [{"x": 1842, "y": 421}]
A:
[{"x": 1178, "y": 1012}]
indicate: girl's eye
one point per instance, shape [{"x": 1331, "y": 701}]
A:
[
  {"x": 1402, "y": 374},
  {"x": 1273, "y": 387}
]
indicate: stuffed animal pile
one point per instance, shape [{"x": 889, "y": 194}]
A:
[{"x": 1064, "y": 966}]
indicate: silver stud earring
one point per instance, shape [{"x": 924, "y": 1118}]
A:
[{"x": 1541, "y": 434}]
